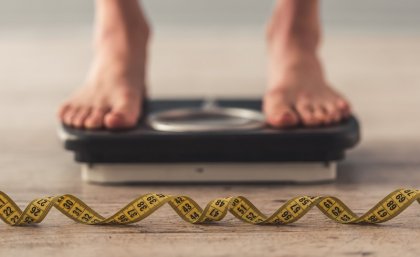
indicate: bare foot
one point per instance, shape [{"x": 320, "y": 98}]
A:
[
  {"x": 298, "y": 92},
  {"x": 113, "y": 92}
]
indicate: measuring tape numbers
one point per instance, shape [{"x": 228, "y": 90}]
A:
[{"x": 240, "y": 207}]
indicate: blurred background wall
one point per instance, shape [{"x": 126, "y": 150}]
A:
[{"x": 358, "y": 15}]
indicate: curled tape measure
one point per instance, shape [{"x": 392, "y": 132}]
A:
[{"x": 71, "y": 206}]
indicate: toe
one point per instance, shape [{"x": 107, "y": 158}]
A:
[
  {"x": 80, "y": 117},
  {"x": 116, "y": 120},
  {"x": 121, "y": 118},
  {"x": 278, "y": 112},
  {"x": 281, "y": 116},
  {"x": 69, "y": 115},
  {"x": 63, "y": 110},
  {"x": 332, "y": 112},
  {"x": 95, "y": 119},
  {"x": 343, "y": 107},
  {"x": 307, "y": 115},
  {"x": 320, "y": 115}
]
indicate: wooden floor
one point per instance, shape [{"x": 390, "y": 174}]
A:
[{"x": 380, "y": 75}]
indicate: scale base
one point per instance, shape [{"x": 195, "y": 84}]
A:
[{"x": 209, "y": 172}]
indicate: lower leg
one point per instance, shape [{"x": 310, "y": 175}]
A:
[
  {"x": 298, "y": 91},
  {"x": 114, "y": 89}
]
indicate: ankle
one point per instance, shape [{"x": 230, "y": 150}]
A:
[
  {"x": 292, "y": 68},
  {"x": 292, "y": 56},
  {"x": 129, "y": 34},
  {"x": 295, "y": 24},
  {"x": 292, "y": 39}
]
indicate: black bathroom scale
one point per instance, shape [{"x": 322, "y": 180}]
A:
[{"x": 209, "y": 141}]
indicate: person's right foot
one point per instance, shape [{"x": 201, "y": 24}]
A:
[{"x": 113, "y": 93}]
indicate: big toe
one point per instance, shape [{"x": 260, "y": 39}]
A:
[
  {"x": 95, "y": 118},
  {"x": 279, "y": 114},
  {"x": 121, "y": 118}
]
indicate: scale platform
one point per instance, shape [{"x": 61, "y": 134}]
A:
[{"x": 149, "y": 153}]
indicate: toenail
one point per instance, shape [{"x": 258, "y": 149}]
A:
[
  {"x": 290, "y": 118},
  {"x": 342, "y": 104}
]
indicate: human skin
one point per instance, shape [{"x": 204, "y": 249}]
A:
[{"x": 297, "y": 91}]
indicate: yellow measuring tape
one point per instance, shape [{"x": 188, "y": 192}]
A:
[{"x": 71, "y": 206}]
